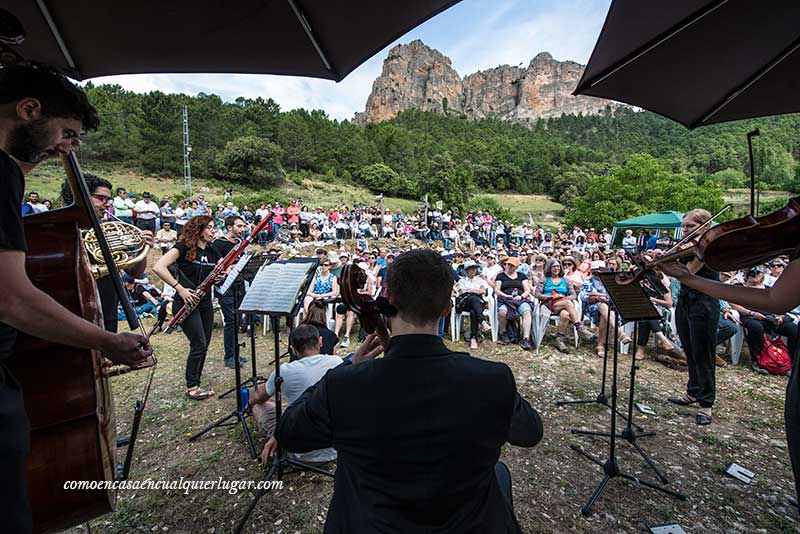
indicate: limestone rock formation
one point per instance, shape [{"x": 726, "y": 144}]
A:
[{"x": 417, "y": 77}]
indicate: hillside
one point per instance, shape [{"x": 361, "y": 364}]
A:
[{"x": 312, "y": 191}]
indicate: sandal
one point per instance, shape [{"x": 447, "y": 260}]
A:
[
  {"x": 625, "y": 339},
  {"x": 198, "y": 393},
  {"x": 702, "y": 419},
  {"x": 683, "y": 401},
  {"x": 600, "y": 350}
]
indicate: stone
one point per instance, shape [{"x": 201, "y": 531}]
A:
[{"x": 416, "y": 76}]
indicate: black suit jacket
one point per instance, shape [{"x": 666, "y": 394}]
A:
[{"x": 418, "y": 434}]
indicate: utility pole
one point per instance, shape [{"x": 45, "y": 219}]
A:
[{"x": 187, "y": 150}]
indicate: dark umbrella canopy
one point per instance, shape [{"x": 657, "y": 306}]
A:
[
  {"x": 699, "y": 62},
  {"x": 316, "y": 38}
]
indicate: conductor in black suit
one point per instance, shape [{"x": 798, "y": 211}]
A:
[{"x": 419, "y": 431}]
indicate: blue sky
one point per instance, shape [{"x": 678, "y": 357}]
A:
[{"x": 474, "y": 34}]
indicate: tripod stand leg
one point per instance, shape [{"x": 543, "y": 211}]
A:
[
  {"x": 212, "y": 426},
  {"x": 587, "y": 508},
  {"x": 247, "y": 436},
  {"x": 312, "y": 468},
  {"x": 260, "y": 493},
  {"x": 650, "y": 485},
  {"x": 586, "y": 455},
  {"x": 650, "y": 463}
]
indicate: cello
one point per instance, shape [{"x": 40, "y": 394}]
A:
[
  {"x": 371, "y": 312},
  {"x": 66, "y": 389}
]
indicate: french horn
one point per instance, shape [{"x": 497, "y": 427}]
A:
[{"x": 128, "y": 246}]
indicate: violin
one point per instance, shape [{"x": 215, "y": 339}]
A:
[
  {"x": 733, "y": 245},
  {"x": 371, "y": 312}
]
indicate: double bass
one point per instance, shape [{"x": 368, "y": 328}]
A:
[{"x": 66, "y": 389}]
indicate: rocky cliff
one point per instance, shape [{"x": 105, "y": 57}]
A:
[{"x": 417, "y": 77}]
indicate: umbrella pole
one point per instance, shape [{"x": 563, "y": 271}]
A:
[{"x": 750, "y": 136}]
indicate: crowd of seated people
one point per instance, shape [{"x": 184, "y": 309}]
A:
[{"x": 526, "y": 268}]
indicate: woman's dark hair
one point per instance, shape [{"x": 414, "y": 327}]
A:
[
  {"x": 192, "y": 232},
  {"x": 57, "y": 95},
  {"x": 316, "y": 313},
  {"x": 92, "y": 183},
  {"x": 420, "y": 282},
  {"x": 548, "y": 268}
]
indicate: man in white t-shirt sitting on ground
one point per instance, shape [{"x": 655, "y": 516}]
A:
[{"x": 297, "y": 376}]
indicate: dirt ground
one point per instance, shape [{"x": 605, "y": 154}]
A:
[{"x": 550, "y": 482}]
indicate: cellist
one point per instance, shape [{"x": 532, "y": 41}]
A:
[{"x": 42, "y": 115}]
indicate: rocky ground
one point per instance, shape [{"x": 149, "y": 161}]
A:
[{"x": 550, "y": 482}]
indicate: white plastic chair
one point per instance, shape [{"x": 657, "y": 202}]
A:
[
  {"x": 456, "y": 319},
  {"x": 542, "y": 317}
]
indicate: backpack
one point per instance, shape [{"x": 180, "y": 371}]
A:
[{"x": 774, "y": 356}]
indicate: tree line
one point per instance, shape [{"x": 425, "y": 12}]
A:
[{"x": 619, "y": 162}]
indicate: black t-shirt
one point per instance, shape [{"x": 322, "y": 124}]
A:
[
  {"x": 108, "y": 303},
  {"x": 329, "y": 339},
  {"x": 508, "y": 285},
  {"x": 223, "y": 247},
  {"x": 192, "y": 272},
  {"x": 704, "y": 272},
  {"x": 12, "y": 234}
]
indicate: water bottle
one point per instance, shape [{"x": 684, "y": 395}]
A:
[{"x": 245, "y": 398}]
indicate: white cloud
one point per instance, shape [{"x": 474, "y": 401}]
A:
[
  {"x": 568, "y": 30},
  {"x": 509, "y": 33}
]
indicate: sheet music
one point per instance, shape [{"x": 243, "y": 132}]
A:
[
  {"x": 630, "y": 300},
  {"x": 231, "y": 278},
  {"x": 277, "y": 287}
]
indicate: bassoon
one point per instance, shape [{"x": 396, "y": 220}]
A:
[{"x": 221, "y": 267}]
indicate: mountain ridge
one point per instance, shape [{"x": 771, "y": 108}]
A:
[{"x": 416, "y": 76}]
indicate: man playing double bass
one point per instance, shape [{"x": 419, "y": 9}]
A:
[{"x": 41, "y": 116}]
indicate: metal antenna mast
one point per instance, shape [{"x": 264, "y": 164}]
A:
[{"x": 187, "y": 150}]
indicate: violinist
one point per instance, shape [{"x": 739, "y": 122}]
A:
[
  {"x": 697, "y": 317},
  {"x": 782, "y": 297},
  {"x": 413, "y": 425},
  {"x": 41, "y": 115}
]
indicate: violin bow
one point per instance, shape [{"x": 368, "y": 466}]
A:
[{"x": 688, "y": 237}]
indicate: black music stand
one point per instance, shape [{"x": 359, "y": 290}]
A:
[
  {"x": 601, "y": 398},
  {"x": 246, "y": 269},
  {"x": 631, "y": 303},
  {"x": 239, "y": 411},
  {"x": 278, "y": 291}
]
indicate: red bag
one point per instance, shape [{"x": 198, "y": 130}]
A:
[{"x": 774, "y": 356}]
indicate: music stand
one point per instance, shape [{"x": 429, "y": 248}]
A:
[
  {"x": 278, "y": 291},
  {"x": 601, "y": 398},
  {"x": 631, "y": 304},
  {"x": 239, "y": 411},
  {"x": 246, "y": 268}
]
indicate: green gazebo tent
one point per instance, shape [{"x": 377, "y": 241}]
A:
[{"x": 662, "y": 220}]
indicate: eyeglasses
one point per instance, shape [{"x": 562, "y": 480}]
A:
[
  {"x": 102, "y": 198},
  {"x": 325, "y": 264}
]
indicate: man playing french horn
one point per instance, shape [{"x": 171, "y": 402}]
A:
[{"x": 101, "y": 196}]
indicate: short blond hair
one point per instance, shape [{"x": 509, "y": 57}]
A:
[{"x": 698, "y": 216}]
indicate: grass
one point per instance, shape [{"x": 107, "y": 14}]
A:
[
  {"x": 47, "y": 179},
  {"x": 540, "y": 207},
  {"x": 740, "y": 198}
]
